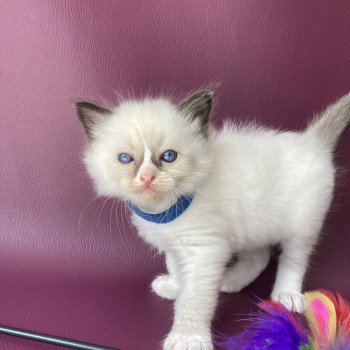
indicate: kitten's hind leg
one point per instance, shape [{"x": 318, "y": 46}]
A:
[
  {"x": 292, "y": 266},
  {"x": 168, "y": 286},
  {"x": 248, "y": 267}
]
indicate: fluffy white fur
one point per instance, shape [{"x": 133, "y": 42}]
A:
[{"x": 254, "y": 188}]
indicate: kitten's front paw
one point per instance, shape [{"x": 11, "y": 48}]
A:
[
  {"x": 292, "y": 301},
  {"x": 165, "y": 287},
  {"x": 176, "y": 341}
]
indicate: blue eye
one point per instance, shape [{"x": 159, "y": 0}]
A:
[
  {"x": 169, "y": 156},
  {"x": 125, "y": 158}
]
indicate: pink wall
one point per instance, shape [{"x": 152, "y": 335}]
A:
[{"x": 277, "y": 62}]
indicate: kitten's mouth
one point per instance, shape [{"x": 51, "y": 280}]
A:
[{"x": 149, "y": 191}]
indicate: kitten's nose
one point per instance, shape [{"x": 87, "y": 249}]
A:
[{"x": 147, "y": 178}]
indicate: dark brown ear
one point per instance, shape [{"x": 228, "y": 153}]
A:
[
  {"x": 90, "y": 115},
  {"x": 198, "y": 106}
]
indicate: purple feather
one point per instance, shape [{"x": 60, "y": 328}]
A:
[{"x": 274, "y": 328}]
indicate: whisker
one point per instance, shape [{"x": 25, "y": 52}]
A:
[
  {"x": 116, "y": 216},
  {"x": 103, "y": 205},
  {"x": 200, "y": 193},
  {"x": 110, "y": 217},
  {"x": 127, "y": 214},
  {"x": 85, "y": 208}
]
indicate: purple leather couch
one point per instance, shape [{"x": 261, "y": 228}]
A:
[{"x": 69, "y": 264}]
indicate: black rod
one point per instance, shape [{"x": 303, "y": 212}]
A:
[{"x": 49, "y": 339}]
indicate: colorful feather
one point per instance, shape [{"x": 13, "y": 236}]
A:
[
  {"x": 273, "y": 328},
  {"x": 276, "y": 328},
  {"x": 321, "y": 316},
  {"x": 344, "y": 314},
  {"x": 342, "y": 309}
]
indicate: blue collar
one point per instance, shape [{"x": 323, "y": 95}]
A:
[{"x": 166, "y": 216}]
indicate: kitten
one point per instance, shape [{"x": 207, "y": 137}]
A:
[{"x": 201, "y": 195}]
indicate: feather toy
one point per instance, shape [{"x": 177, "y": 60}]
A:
[{"x": 325, "y": 325}]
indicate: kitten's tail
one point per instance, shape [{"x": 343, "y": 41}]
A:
[{"x": 330, "y": 124}]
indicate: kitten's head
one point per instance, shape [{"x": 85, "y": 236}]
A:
[{"x": 150, "y": 151}]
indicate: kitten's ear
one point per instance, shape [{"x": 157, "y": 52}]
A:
[
  {"x": 198, "y": 106},
  {"x": 90, "y": 115}
]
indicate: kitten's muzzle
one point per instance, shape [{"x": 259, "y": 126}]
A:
[
  {"x": 147, "y": 181},
  {"x": 147, "y": 177}
]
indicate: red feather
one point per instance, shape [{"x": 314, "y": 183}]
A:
[
  {"x": 342, "y": 309},
  {"x": 344, "y": 313}
]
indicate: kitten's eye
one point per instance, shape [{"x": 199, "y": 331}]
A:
[
  {"x": 169, "y": 156},
  {"x": 125, "y": 158}
]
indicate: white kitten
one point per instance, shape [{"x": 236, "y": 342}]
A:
[{"x": 201, "y": 195}]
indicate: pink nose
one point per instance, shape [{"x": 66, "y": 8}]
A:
[{"x": 147, "y": 178}]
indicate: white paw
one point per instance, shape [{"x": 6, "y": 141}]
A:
[
  {"x": 292, "y": 301},
  {"x": 165, "y": 287},
  {"x": 176, "y": 341}
]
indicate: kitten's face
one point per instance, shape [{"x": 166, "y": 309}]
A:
[{"x": 148, "y": 152}]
